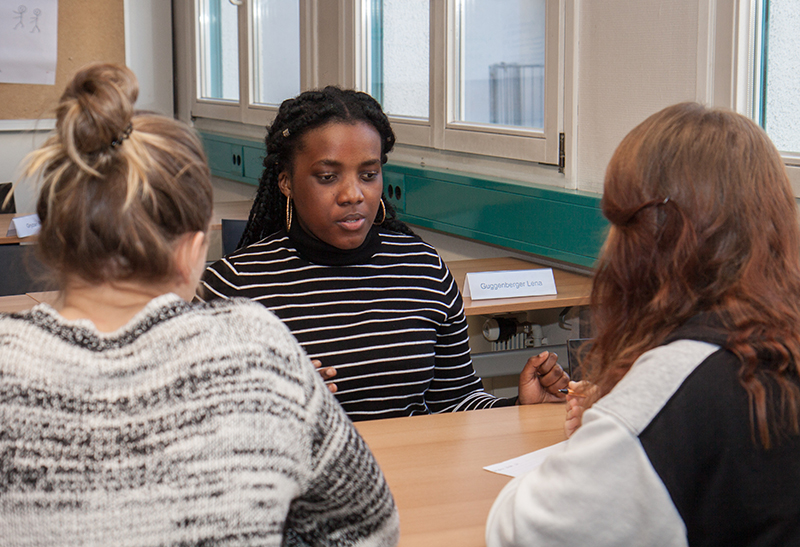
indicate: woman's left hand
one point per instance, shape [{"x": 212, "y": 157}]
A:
[
  {"x": 541, "y": 379},
  {"x": 326, "y": 372}
]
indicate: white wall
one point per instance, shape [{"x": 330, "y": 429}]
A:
[
  {"x": 17, "y": 138},
  {"x": 635, "y": 57},
  {"x": 148, "y": 52}
]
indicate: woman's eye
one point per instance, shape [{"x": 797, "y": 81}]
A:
[
  {"x": 372, "y": 175},
  {"x": 326, "y": 177}
]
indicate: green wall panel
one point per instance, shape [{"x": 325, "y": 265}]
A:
[
  {"x": 253, "y": 163},
  {"x": 555, "y": 223}
]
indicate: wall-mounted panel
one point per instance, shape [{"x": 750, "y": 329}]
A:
[{"x": 559, "y": 224}]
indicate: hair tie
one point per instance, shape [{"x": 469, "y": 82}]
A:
[
  {"x": 652, "y": 203},
  {"x": 125, "y": 134}
]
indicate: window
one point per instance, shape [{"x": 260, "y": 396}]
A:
[
  {"x": 397, "y": 63},
  {"x": 218, "y": 38},
  {"x": 470, "y": 76},
  {"x": 498, "y": 62},
  {"x": 239, "y": 83},
  {"x": 486, "y": 81},
  {"x": 777, "y": 72},
  {"x": 276, "y": 51}
]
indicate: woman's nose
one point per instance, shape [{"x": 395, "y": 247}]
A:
[{"x": 350, "y": 190}]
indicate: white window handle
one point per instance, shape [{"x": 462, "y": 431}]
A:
[{"x": 236, "y": 2}]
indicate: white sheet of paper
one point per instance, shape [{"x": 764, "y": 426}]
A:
[
  {"x": 26, "y": 226},
  {"x": 509, "y": 284},
  {"x": 28, "y": 41},
  {"x": 523, "y": 464}
]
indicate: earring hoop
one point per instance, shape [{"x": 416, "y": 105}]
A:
[
  {"x": 288, "y": 214},
  {"x": 383, "y": 208}
]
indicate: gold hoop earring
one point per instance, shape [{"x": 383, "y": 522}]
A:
[
  {"x": 383, "y": 208},
  {"x": 288, "y": 214}
]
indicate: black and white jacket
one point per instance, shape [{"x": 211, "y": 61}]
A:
[{"x": 668, "y": 457}]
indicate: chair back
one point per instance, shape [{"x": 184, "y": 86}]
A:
[
  {"x": 10, "y": 207},
  {"x": 232, "y": 230},
  {"x": 21, "y": 271}
]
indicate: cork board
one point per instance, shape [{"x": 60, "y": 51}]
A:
[{"x": 88, "y": 31}]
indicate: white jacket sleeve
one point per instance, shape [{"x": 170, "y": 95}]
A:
[{"x": 601, "y": 490}]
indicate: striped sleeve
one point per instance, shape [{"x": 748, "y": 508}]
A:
[{"x": 455, "y": 385}]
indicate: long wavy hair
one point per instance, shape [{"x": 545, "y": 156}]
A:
[
  {"x": 295, "y": 118},
  {"x": 702, "y": 220}
]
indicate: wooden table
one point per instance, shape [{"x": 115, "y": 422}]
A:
[
  {"x": 434, "y": 466},
  {"x": 17, "y": 302},
  {"x": 237, "y": 210},
  {"x": 573, "y": 289},
  {"x": 22, "y": 302},
  {"x": 5, "y": 222},
  {"x": 43, "y": 296}
]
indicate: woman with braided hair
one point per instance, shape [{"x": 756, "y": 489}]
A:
[{"x": 371, "y": 303}]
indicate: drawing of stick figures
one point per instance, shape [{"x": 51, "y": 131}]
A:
[
  {"x": 35, "y": 19},
  {"x": 21, "y": 15}
]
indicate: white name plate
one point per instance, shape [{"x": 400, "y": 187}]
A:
[
  {"x": 26, "y": 226},
  {"x": 509, "y": 284}
]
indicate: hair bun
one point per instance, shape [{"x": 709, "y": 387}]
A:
[{"x": 96, "y": 108}]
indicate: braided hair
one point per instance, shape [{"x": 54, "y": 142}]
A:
[{"x": 307, "y": 111}]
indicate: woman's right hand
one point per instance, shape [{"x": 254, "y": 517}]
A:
[
  {"x": 579, "y": 399},
  {"x": 326, "y": 372}
]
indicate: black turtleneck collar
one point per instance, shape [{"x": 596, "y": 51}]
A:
[{"x": 319, "y": 252}]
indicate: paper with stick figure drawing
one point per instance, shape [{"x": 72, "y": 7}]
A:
[{"x": 28, "y": 41}]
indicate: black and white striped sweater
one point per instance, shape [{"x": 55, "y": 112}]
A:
[
  {"x": 388, "y": 316},
  {"x": 192, "y": 425}
]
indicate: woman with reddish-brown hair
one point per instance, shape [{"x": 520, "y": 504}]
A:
[{"x": 691, "y": 391}]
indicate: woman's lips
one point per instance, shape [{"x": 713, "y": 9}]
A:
[{"x": 352, "y": 222}]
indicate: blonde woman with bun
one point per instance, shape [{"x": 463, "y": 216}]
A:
[{"x": 132, "y": 417}]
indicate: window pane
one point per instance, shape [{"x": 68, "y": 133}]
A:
[
  {"x": 219, "y": 50},
  {"x": 782, "y": 67},
  {"x": 499, "y": 62},
  {"x": 398, "y": 44},
  {"x": 276, "y": 55}
]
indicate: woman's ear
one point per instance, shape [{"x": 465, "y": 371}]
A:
[
  {"x": 285, "y": 184},
  {"x": 190, "y": 251},
  {"x": 190, "y": 258}
]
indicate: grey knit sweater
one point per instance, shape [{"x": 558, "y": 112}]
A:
[{"x": 192, "y": 425}]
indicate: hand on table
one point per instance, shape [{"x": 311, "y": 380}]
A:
[
  {"x": 541, "y": 379},
  {"x": 326, "y": 372}
]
